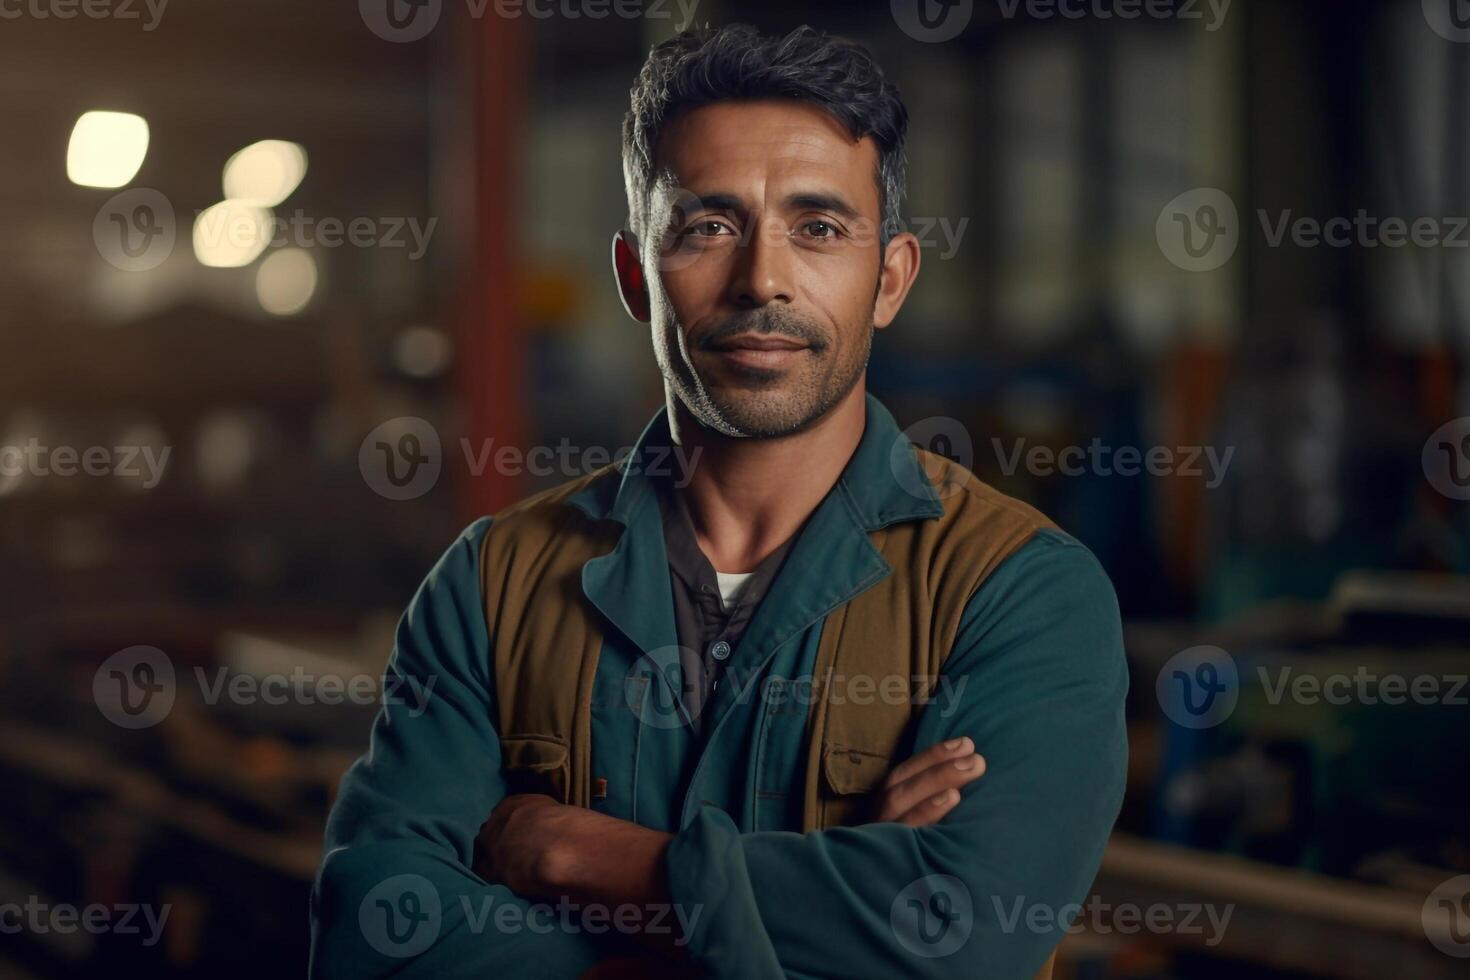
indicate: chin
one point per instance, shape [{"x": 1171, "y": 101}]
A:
[{"x": 759, "y": 416}]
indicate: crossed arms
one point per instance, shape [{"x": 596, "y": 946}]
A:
[
  {"x": 405, "y": 891},
  {"x": 543, "y": 849}
]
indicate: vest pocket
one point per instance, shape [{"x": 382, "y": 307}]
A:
[
  {"x": 536, "y": 764},
  {"x": 850, "y": 778}
]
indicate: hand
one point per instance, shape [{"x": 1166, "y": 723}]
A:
[
  {"x": 921, "y": 791},
  {"x": 514, "y": 844}
]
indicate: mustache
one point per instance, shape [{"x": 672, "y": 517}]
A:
[{"x": 780, "y": 323}]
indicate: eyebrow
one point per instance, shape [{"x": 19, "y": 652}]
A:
[{"x": 809, "y": 200}]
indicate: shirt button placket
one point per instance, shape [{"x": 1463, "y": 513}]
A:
[{"x": 719, "y": 652}]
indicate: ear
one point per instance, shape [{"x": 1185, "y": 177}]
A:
[
  {"x": 632, "y": 287},
  {"x": 900, "y": 269}
]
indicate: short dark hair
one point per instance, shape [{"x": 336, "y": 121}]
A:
[{"x": 704, "y": 65}]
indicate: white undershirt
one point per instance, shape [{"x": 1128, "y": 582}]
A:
[{"x": 730, "y": 585}]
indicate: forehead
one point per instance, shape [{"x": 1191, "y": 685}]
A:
[{"x": 762, "y": 147}]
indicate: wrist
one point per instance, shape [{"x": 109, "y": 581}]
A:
[
  {"x": 553, "y": 865},
  {"x": 596, "y": 858}
]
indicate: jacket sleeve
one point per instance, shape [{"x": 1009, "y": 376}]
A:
[
  {"x": 395, "y": 895},
  {"x": 1038, "y": 679}
]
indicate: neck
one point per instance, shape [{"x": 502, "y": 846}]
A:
[{"x": 746, "y": 497}]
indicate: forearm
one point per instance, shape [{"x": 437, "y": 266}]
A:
[
  {"x": 610, "y": 862},
  {"x": 610, "y": 872},
  {"x": 877, "y": 900},
  {"x": 613, "y": 865}
]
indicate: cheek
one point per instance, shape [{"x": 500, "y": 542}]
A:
[
  {"x": 842, "y": 298},
  {"x": 667, "y": 302},
  {"x": 665, "y": 319},
  {"x": 692, "y": 282}
]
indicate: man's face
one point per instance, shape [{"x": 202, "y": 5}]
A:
[{"x": 763, "y": 263}]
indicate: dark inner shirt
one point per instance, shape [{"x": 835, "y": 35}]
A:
[{"x": 708, "y": 632}]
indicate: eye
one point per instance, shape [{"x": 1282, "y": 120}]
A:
[
  {"x": 819, "y": 229},
  {"x": 708, "y": 228}
]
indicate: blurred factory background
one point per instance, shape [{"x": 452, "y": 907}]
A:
[{"x": 248, "y": 246}]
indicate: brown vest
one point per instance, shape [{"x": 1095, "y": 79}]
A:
[{"x": 544, "y": 631}]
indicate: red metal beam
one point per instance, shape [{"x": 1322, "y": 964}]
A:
[{"x": 490, "y": 375}]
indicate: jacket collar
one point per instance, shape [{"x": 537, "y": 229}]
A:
[{"x": 832, "y": 560}]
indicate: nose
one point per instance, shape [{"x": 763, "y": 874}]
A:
[{"x": 762, "y": 272}]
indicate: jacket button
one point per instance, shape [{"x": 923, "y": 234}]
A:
[{"x": 720, "y": 650}]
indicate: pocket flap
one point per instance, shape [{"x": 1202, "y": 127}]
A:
[
  {"x": 537, "y": 753},
  {"x": 850, "y": 771}
]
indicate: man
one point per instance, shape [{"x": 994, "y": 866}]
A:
[{"x": 823, "y": 705}]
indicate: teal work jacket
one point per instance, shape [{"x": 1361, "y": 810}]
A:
[{"x": 1036, "y": 676}]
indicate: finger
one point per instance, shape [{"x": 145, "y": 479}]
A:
[
  {"x": 933, "y": 755},
  {"x": 931, "y": 782},
  {"x": 927, "y": 773},
  {"x": 932, "y": 809}
]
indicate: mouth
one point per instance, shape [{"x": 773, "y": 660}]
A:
[
  {"x": 759, "y": 341},
  {"x": 759, "y": 350}
]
